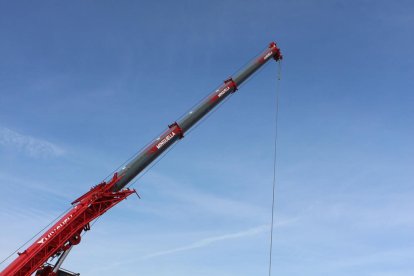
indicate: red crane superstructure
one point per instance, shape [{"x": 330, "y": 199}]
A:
[{"x": 59, "y": 239}]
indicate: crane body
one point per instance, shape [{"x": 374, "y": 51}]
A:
[{"x": 59, "y": 239}]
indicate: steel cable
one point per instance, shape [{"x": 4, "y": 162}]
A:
[{"x": 274, "y": 166}]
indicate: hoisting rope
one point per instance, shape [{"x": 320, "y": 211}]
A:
[{"x": 274, "y": 165}]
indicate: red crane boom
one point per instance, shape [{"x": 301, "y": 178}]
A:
[{"x": 63, "y": 235}]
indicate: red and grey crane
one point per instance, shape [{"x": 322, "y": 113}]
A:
[{"x": 59, "y": 239}]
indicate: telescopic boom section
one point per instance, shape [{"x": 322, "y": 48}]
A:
[
  {"x": 177, "y": 130},
  {"x": 66, "y": 233}
]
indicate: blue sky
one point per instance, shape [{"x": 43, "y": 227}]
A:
[{"x": 85, "y": 84}]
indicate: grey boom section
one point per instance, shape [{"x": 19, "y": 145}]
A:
[{"x": 177, "y": 130}]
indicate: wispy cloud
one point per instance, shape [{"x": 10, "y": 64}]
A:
[
  {"x": 210, "y": 240},
  {"x": 207, "y": 241},
  {"x": 30, "y": 145},
  {"x": 31, "y": 186}
]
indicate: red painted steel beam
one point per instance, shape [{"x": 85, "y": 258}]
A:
[{"x": 67, "y": 230}]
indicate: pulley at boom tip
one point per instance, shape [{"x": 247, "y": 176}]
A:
[{"x": 277, "y": 55}]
